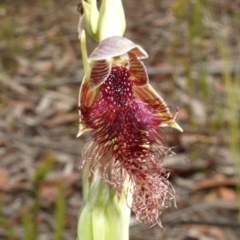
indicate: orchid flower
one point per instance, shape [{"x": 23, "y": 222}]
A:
[{"x": 125, "y": 115}]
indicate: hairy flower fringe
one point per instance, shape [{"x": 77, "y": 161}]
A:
[
  {"x": 151, "y": 189},
  {"x": 151, "y": 197},
  {"x": 127, "y": 141}
]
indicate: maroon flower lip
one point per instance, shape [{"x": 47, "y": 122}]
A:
[{"x": 125, "y": 115}]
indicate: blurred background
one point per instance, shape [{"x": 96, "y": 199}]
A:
[{"x": 193, "y": 63}]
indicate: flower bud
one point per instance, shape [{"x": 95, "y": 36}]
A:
[
  {"x": 89, "y": 19},
  {"x": 111, "y": 19}
]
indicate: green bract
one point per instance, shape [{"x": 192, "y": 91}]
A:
[
  {"x": 108, "y": 22},
  {"x": 104, "y": 216}
]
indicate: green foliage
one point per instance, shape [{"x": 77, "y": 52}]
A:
[
  {"x": 37, "y": 183},
  {"x": 233, "y": 98},
  {"x": 5, "y": 223},
  {"x": 30, "y": 214},
  {"x": 191, "y": 13},
  {"x": 60, "y": 213},
  {"x": 227, "y": 114},
  {"x": 28, "y": 225}
]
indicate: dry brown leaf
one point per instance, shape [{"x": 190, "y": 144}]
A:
[
  {"x": 227, "y": 193},
  {"x": 43, "y": 66},
  {"x": 183, "y": 114},
  {"x": 18, "y": 186},
  {"x": 1, "y": 142},
  {"x": 49, "y": 192},
  {"x": 61, "y": 120},
  {"x": 23, "y": 104},
  {"x": 218, "y": 181},
  {"x": 218, "y": 233},
  {"x": 3, "y": 178},
  {"x": 14, "y": 86},
  {"x": 213, "y": 231}
]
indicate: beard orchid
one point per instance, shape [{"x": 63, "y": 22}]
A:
[{"x": 125, "y": 115}]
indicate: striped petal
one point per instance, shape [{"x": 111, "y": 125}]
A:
[
  {"x": 158, "y": 106},
  {"x": 87, "y": 96},
  {"x": 99, "y": 73},
  {"x": 138, "y": 71}
]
